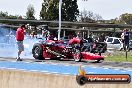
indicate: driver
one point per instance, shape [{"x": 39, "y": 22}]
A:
[{"x": 76, "y": 41}]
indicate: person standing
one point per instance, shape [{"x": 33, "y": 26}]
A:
[
  {"x": 126, "y": 39},
  {"x": 122, "y": 40},
  {"x": 19, "y": 40}
]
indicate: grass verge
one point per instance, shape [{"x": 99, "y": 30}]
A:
[{"x": 118, "y": 56}]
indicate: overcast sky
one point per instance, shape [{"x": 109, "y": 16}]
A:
[{"x": 108, "y": 9}]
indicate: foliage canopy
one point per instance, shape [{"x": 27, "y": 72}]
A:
[{"x": 50, "y": 10}]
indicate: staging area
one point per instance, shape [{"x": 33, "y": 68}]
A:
[{"x": 52, "y": 73}]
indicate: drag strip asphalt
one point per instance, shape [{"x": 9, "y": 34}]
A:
[{"x": 59, "y": 68}]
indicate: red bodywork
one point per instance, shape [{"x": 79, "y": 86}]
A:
[
  {"x": 58, "y": 47},
  {"x": 91, "y": 56},
  {"x": 55, "y": 49},
  {"x": 74, "y": 41}
]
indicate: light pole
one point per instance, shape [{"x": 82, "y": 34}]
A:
[
  {"x": 60, "y": 5},
  {"x": 59, "y": 31}
]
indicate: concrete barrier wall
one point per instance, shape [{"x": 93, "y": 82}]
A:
[{"x": 25, "y": 79}]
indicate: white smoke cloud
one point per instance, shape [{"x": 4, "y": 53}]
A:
[{"x": 8, "y": 46}]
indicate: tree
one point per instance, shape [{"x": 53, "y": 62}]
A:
[
  {"x": 126, "y": 18},
  {"x": 3, "y": 14},
  {"x": 123, "y": 19},
  {"x": 97, "y": 17},
  {"x": 89, "y": 16},
  {"x": 6, "y": 16},
  {"x": 115, "y": 21},
  {"x": 50, "y": 10},
  {"x": 30, "y": 12},
  {"x": 69, "y": 10}
]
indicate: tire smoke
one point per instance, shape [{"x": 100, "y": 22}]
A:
[{"x": 8, "y": 46}]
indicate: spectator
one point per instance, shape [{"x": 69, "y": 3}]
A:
[
  {"x": 122, "y": 39},
  {"x": 33, "y": 34},
  {"x": 45, "y": 33},
  {"x": 101, "y": 38},
  {"x": 122, "y": 36},
  {"x": 70, "y": 36},
  {"x": 126, "y": 39},
  {"x": 50, "y": 37},
  {"x": 19, "y": 40}
]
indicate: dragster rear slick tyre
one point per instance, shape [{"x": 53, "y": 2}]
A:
[{"x": 37, "y": 52}]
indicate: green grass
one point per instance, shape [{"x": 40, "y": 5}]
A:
[{"x": 118, "y": 56}]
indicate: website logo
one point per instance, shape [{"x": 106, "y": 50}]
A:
[{"x": 83, "y": 78}]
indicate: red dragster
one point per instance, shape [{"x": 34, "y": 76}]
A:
[{"x": 57, "y": 49}]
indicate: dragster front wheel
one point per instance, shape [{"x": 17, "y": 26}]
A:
[{"x": 77, "y": 55}]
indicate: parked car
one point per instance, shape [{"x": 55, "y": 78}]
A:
[
  {"x": 130, "y": 44},
  {"x": 114, "y": 43}
]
